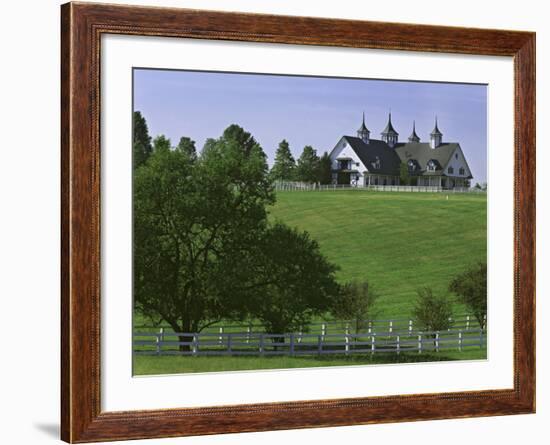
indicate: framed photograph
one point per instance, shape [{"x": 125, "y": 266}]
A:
[{"x": 274, "y": 222}]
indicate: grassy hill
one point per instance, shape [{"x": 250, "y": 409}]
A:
[{"x": 398, "y": 241}]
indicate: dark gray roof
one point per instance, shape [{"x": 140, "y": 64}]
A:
[
  {"x": 375, "y": 149},
  {"x": 390, "y": 158},
  {"x": 421, "y": 152}
]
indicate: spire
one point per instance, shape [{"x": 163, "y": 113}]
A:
[
  {"x": 389, "y": 135},
  {"x": 436, "y": 129},
  {"x": 414, "y": 137},
  {"x": 436, "y": 137},
  {"x": 363, "y": 133}
]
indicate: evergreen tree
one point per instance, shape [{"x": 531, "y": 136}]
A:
[
  {"x": 187, "y": 145},
  {"x": 142, "y": 147},
  {"x": 285, "y": 165},
  {"x": 325, "y": 169},
  {"x": 307, "y": 167},
  {"x": 161, "y": 142},
  {"x": 404, "y": 177}
]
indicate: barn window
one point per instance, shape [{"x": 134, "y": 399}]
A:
[{"x": 461, "y": 170}]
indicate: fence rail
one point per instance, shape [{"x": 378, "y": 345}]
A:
[{"x": 294, "y": 344}]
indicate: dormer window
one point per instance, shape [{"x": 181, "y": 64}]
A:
[
  {"x": 412, "y": 166},
  {"x": 431, "y": 166},
  {"x": 377, "y": 164},
  {"x": 450, "y": 170}
]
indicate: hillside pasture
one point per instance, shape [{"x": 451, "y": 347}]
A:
[{"x": 398, "y": 241}]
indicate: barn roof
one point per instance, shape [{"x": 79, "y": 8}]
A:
[
  {"x": 422, "y": 153},
  {"x": 390, "y": 158}
]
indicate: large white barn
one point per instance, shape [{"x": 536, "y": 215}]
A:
[{"x": 362, "y": 161}]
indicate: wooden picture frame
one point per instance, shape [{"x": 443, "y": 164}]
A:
[{"x": 82, "y": 26}]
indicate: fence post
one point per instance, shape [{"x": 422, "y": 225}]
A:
[
  {"x": 370, "y": 326},
  {"x": 220, "y": 338},
  {"x": 391, "y": 326},
  {"x": 484, "y": 320},
  {"x": 195, "y": 345},
  {"x": 398, "y": 345},
  {"x": 248, "y": 331},
  {"x": 347, "y": 342},
  {"x": 320, "y": 345},
  {"x": 437, "y": 342},
  {"x": 323, "y": 329},
  {"x": 158, "y": 344},
  {"x": 261, "y": 344},
  {"x": 161, "y": 332},
  {"x": 420, "y": 343},
  {"x": 291, "y": 344},
  {"x": 372, "y": 344},
  {"x": 410, "y": 326},
  {"x": 467, "y": 322},
  {"x": 300, "y": 334},
  {"x": 229, "y": 343},
  {"x": 460, "y": 341},
  {"x": 450, "y": 323}
]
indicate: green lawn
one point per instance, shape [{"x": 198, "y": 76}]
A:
[
  {"x": 151, "y": 365},
  {"x": 398, "y": 241}
]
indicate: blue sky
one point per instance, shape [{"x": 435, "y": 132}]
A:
[{"x": 313, "y": 111}]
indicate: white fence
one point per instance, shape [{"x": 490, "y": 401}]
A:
[
  {"x": 293, "y": 344},
  {"x": 308, "y": 187}
]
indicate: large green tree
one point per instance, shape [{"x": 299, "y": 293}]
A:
[
  {"x": 307, "y": 167},
  {"x": 141, "y": 146},
  {"x": 296, "y": 281},
  {"x": 284, "y": 166},
  {"x": 193, "y": 222}
]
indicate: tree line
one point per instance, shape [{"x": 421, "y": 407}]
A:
[{"x": 310, "y": 167}]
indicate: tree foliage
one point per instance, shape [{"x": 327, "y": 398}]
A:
[
  {"x": 307, "y": 167},
  {"x": 404, "y": 177},
  {"x": 284, "y": 166},
  {"x": 161, "y": 143},
  {"x": 194, "y": 220},
  {"x": 325, "y": 169},
  {"x": 471, "y": 288},
  {"x": 296, "y": 280},
  {"x": 432, "y": 312},
  {"x": 203, "y": 248},
  {"x": 355, "y": 301},
  {"x": 141, "y": 141},
  {"x": 187, "y": 145}
]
